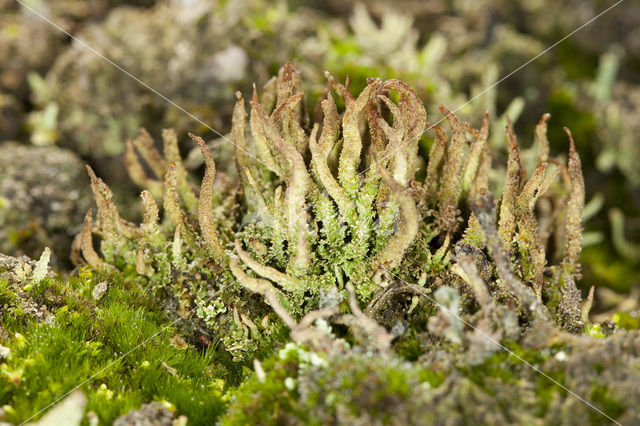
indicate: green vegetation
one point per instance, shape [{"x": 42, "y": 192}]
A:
[
  {"x": 324, "y": 219},
  {"x": 351, "y": 253},
  {"x": 128, "y": 349}
]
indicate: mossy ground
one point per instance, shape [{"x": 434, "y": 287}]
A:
[{"x": 126, "y": 346}]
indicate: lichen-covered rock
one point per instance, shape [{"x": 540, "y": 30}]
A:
[
  {"x": 29, "y": 44},
  {"x": 152, "y": 414},
  {"x": 42, "y": 199},
  {"x": 18, "y": 275}
]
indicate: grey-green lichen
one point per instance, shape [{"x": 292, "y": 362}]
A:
[{"x": 298, "y": 385}]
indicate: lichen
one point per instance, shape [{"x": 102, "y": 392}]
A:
[
  {"x": 319, "y": 206},
  {"x": 330, "y": 250}
]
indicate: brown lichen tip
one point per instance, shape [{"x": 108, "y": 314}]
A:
[
  {"x": 575, "y": 206},
  {"x": 110, "y": 224},
  {"x": 513, "y": 183},
  {"x": 437, "y": 155},
  {"x": 352, "y": 146},
  {"x": 485, "y": 210},
  {"x": 86, "y": 243},
  {"x": 287, "y": 104},
  {"x": 172, "y": 154},
  {"x": 151, "y": 220},
  {"x": 450, "y": 184},
  {"x": 146, "y": 147},
  {"x": 134, "y": 168},
  {"x": 170, "y": 197},
  {"x": 206, "y": 217},
  {"x": 238, "y": 125},
  {"x": 341, "y": 90},
  {"x": 264, "y": 140},
  {"x": 542, "y": 139},
  {"x": 447, "y": 113},
  {"x": 476, "y": 175}
]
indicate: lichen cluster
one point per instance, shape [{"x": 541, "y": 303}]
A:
[
  {"x": 55, "y": 91},
  {"x": 341, "y": 253},
  {"x": 318, "y": 206},
  {"x": 351, "y": 266}
]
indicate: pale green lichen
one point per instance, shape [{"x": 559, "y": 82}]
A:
[{"x": 42, "y": 266}]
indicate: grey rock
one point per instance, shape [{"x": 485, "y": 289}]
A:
[
  {"x": 152, "y": 414},
  {"x": 43, "y": 197}
]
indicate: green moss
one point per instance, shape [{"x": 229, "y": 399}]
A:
[
  {"x": 6, "y": 294},
  {"x": 123, "y": 352}
]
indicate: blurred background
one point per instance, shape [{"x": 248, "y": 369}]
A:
[{"x": 62, "y": 106}]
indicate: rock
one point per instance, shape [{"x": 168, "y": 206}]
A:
[
  {"x": 152, "y": 414},
  {"x": 27, "y": 43},
  {"x": 30, "y": 44},
  {"x": 17, "y": 272},
  {"x": 99, "y": 290},
  {"x": 44, "y": 195}
]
